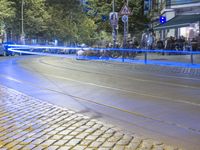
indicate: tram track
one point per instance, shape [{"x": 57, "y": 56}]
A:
[
  {"x": 119, "y": 76},
  {"x": 123, "y": 90}
]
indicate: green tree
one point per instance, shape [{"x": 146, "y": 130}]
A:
[
  {"x": 67, "y": 20},
  {"x": 34, "y": 22},
  {"x": 103, "y": 7},
  {"x": 6, "y": 10},
  {"x": 68, "y": 23},
  {"x": 6, "y": 14},
  {"x": 35, "y": 18}
]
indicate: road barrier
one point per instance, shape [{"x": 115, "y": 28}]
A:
[{"x": 160, "y": 57}]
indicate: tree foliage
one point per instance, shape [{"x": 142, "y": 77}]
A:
[
  {"x": 137, "y": 21},
  {"x": 67, "y": 20},
  {"x": 6, "y": 10}
]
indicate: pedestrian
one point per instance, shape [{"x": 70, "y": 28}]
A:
[
  {"x": 194, "y": 44},
  {"x": 143, "y": 42},
  {"x": 150, "y": 41},
  {"x": 198, "y": 42},
  {"x": 172, "y": 43},
  {"x": 159, "y": 44}
]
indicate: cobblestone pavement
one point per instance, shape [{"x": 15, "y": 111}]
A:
[
  {"x": 195, "y": 72},
  {"x": 161, "y": 69},
  {"x": 30, "y": 124}
]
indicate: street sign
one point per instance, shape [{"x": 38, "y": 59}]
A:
[
  {"x": 114, "y": 18},
  {"x": 125, "y": 18},
  {"x": 125, "y": 10}
]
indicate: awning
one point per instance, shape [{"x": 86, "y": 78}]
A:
[{"x": 179, "y": 21}]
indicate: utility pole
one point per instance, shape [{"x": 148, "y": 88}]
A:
[
  {"x": 22, "y": 23},
  {"x": 113, "y": 9},
  {"x": 127, "y": 20},
  {"x": 114, "y": 27}
]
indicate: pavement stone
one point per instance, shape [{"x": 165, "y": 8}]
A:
[
  {"x": 27, "y": 123},
  {"x": 162, "y": 69},
  {"x": 183, "y": 71}
]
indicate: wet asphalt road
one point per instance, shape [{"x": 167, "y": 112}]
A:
[{"x": 163, "y": 106}]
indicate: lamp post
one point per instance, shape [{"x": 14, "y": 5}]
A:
[
  {"x": 127, "y": 20},
  {"x": 114, "y": 27},
  {"x": 22, "y": 23},
  {"x": 113, "y": 6}
]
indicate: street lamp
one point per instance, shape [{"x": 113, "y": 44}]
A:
[
  {"x": 114, "y": 30},
  {"x": 127, "y": 20},
  {"x": 22, "y": 23},
  {"x": 113, "y": 6}
]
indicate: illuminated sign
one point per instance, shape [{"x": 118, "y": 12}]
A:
[{"x": 162, "y": 19}]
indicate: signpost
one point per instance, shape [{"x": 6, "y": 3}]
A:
[
  {"x": 125, "y": 12},
  {"x": 114, "y": 23}
]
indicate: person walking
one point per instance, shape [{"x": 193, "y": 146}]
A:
[
  {"x": 198, "y": 42},
  {"x": 159, "y": 44},
  {"x": 150, "y": 41}
]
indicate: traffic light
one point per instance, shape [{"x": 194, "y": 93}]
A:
[{"x": 162, "y": 19}]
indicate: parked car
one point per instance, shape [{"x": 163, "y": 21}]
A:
[
  {"x": 2, "y": 52},
  {"x": 5, "y": 47}
]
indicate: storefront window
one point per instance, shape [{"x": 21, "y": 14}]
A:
[{"x": 190, "y": 32}]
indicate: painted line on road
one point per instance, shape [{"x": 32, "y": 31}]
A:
[
  {"x": 121, "y": 90},
  {"x": 130, "y": 78},
  {"x": 11, "y": 78}
]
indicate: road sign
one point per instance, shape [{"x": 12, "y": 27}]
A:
[
  {"x": 114, "y": 18},
  {"x": 125, "y": 10},
  {"x": 125, "y": 18}
]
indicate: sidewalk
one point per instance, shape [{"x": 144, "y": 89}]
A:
[{"x": 30, "y": 124}]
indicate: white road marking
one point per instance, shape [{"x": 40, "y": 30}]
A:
[
  {"x": 144, "y": 80},
  {"x": 122, "y": 90}
]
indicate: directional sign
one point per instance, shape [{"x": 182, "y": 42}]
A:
[{"x": 125, "y": 10}]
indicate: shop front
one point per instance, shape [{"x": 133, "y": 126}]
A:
[{"x": 181, "y": 25}]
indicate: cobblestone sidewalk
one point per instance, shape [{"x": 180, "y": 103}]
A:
[
  {"x": 29, "y": 124},
  {"x": 194, "y": 72}
]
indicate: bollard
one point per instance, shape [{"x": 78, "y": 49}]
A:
[
  {"x": 145, "y": 57},
  {"x": 123, "y": 56},
  {"x": 191, "y": 58}
]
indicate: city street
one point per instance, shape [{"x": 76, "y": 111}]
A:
[{"x": 152, "y": 101}]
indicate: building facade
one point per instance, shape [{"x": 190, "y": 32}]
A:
[{"x": 182, "y": 17}]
